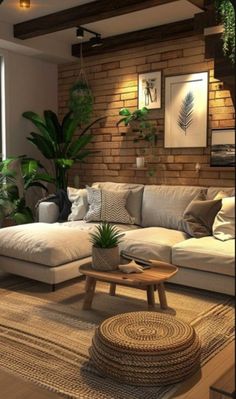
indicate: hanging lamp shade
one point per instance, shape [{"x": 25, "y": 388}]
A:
[{"x": 81, "y": 98}]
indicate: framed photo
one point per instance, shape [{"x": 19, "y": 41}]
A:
[
  {"x": 222, "y": 147},
  {"x": 149, "y": 90},
  {"x": 186, "y": 109}
]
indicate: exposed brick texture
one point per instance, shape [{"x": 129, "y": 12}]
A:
[{"x": 113, "y": 78}]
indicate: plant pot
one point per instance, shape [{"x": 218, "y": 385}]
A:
[{"x": 105, "y": 259}]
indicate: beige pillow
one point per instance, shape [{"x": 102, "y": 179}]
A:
[
  {"x": 199, "y": 216},
  {"x": 224, "y": 224},
  {"x": 220, "y": 195},
  {"x": 79, "y": 200}
]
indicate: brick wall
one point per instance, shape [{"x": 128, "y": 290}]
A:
[{"x": 113, "y": 79}]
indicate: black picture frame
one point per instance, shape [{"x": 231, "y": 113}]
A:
[{"x": 222, "y": 147}]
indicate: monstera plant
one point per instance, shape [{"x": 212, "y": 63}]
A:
[
  {"x": 57, "y": 143},
  {"x": 17, "y": 175}
]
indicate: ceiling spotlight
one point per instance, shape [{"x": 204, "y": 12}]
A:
[
  {"x": 25, "y": 3},
  {"x": 80, "y": 33},
  {"x": 96, "y": 41}
]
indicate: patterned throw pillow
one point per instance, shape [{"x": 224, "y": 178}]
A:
[
  {"x": 114, "y": 207},
  {"x": 95, "y": 204},
  {"x": 107, "y": 206}
]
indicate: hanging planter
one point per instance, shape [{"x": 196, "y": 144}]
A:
[
  {"x": 226, "y": 15},
  {"x": 81, "y": 102},
  {"x": 81, "y": 98}
]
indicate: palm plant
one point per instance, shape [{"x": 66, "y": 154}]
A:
[
  {"x": 12, "y": 198},
  {"x": 106, "y": 236},
  {"x": 55, "y": 141}
]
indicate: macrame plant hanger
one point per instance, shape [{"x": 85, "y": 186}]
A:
[{"x": 81, "y": 98}]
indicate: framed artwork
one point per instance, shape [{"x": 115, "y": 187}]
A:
[
  {"x": 186, "y": 108},
  {"x": 222, "y": 147},
  {"x": 149, "y": 90}
]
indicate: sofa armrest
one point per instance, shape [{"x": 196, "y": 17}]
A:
[{"x": 48, "y": 212}]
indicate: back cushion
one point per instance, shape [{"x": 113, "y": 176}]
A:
[
  {"x": 134, "y": 200},
  {"x": 164, "y": 206},
  {"x": 213, "y": 191}
]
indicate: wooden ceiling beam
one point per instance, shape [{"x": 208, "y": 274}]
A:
[
  {"x": 174, "y": 30},
  {"x": 91, "y": 12}
]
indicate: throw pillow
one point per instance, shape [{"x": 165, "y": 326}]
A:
[
  {"x": 95, "y": 204},
  {"x": 79, "y": 200},
  {"x": 114, "y": 207},
  {"x": 199, "y": 216},
  {"x": 220, "y": 195},
  {"x": 224, "y": 225}
]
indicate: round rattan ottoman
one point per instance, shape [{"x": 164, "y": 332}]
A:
[{"x": 145, "y": 349}]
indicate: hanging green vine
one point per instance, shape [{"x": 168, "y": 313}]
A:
[
  {"x": 226, "y": 15},
  {"x": 81, "y": 102}
]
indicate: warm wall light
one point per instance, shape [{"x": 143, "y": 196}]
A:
[{"x": 25, "y": 3}]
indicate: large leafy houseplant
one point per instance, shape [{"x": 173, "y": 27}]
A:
[
  {"x": 14, "y": 173},
  {"x": 57, "y": 143}
]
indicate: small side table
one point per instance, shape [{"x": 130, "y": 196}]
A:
[{"x": 224, "y": 387}]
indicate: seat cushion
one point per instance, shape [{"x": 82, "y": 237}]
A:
[
  {"x": 163, "y": 206},
  {"x": 46, "y": 244},
  {"x": 152, "y": 242},
  {"x": 85, "y": 226},
  {"x": 206, "y": 253}
]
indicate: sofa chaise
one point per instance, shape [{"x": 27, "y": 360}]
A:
[{"x": 52, "y": 252}]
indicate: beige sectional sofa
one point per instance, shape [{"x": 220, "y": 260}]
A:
[{"x": 53, "y": 252}]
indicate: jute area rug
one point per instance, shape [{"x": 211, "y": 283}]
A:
[{"x": 45, "y": 337}]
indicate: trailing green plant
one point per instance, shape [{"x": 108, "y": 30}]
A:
[
  {"x": 226, "y": 16},
  {"x": 106, "y": 236},
  {"x": 56, "y": 142},
  {"x": 137, "y": 120},
  {"x": 12, "y": 197},
  {"x": 81, "y": 102}
]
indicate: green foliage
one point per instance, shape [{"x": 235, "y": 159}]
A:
[
  {"x": 226, "y": 16},
  {"x": 186, "y": 111},
  {"x": 81, "y": 102},
  {"x": 106, "y": 236},
  {"x": 56, "y": 142},
  {"x": 31, "y": 174},
  {"x": 137, "y": 120}
]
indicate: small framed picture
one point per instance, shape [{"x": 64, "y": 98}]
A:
[
  {"x": 149, "y": 90},
  {"x": 186, "y": 109},
  {"x": 223, "y": 147}
]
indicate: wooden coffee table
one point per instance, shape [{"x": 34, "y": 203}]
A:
[{"x": 150, "y": 280}]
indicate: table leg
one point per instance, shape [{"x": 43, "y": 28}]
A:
[
  {"x": 150, "y": 296},
  {"x": 89, "y": 292},
  {"x": 162, "y": 295},
  {"x": 112, "y": 289}
]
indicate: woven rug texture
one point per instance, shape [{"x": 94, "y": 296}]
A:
[{"x": 45, "y": 337}]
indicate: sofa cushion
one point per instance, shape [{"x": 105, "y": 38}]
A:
[
  {"x": 213, "y": 191},
  {"x": 152, "y": 242},
  {"x": 134, "y": 200},
  {"x": 206, "y": 253},
  {"x": 47, "y": 244},
  {"x": 84, "y": 226},
  {"x": 79, "y": 200},
  {"x": 164, "y": 206},
  {"x": 199, "y": 216},
  {"x": 224, "y": 223}
]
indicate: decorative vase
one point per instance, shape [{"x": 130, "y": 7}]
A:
[
  {"x": 140, "y": 161},
  {"x": 105, "y": 259}
]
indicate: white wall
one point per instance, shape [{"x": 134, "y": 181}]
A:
[{"x": 31, "y": 85}]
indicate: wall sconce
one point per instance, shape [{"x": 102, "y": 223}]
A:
[
  {"x": 94, "y": 41},
  {"x": 25, "y": 3}
]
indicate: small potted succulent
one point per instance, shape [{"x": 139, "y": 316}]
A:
[{"x": 105, "y": 251}]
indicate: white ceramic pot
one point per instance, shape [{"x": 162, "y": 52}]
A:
[
  {"x": 140, "y": 161},
  {"x": 105, "y": 259}
]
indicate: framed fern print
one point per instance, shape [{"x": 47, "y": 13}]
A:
[{"x": 186, "y": 108}]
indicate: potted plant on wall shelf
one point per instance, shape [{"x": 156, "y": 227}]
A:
[
  {"x": 142, "y": 128},
  {"x": 105, "y": 250}
]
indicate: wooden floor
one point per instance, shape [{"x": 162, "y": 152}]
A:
[{"x": 196, "y": 387}]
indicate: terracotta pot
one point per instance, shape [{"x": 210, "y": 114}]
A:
[{"x": 105, "y": 259}]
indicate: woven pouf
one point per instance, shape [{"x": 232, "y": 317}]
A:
[{"x": 145, "y": 348}]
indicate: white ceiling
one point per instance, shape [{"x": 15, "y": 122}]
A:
[{"x": 11, "y": 13}]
